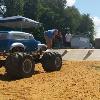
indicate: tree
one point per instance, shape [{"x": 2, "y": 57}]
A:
[
  {"x": 55, "y": 5},
  {"x": 71, "y": 19},
  {"x": 14, "y": 7},
  {"x": 31, "y": 9},
  {"x": 86, "y": 26},
  {"x": 52, "y": 12}
]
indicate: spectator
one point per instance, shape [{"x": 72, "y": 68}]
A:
[
  {"x": 49, "y": 36},
  {"x": 58, "y": 40},
  {"x": 68, "y": 37}
]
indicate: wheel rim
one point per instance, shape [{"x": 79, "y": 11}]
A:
[
  {"x": 27, "y": 66},
  {"x": 58, "y": 62}
]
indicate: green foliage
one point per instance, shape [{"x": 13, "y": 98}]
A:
[
  {"x": 86, "y": 26},
  {"x": 52, "y": 12},
  {"x": 31, "y": 9},
  {"x": 14, "y": 7},
  {"x": 72, "y": 19}
]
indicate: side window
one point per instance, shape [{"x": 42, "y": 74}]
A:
[
  {"x": 19, "y": 36},
  {"x": 3, "y": 36}
]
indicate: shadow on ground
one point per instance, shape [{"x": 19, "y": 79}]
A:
[{"x": 5, "y": 77}]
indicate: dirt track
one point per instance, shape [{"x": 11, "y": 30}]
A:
[{"x": 75, "y": 81}]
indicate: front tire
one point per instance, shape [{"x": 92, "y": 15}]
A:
[
  {"x": 28, "y": 66},
  {"x": 51, "y": 61},
  {"x": 19, "y": 65}
]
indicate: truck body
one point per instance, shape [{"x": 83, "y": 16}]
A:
[{"x": 8, "y": 38}]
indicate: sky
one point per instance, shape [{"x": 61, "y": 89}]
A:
[{"x": 90, "y": 7}]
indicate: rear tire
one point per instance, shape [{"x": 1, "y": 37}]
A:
[
  {"x": 51, "y": 61},
  {"x": 2, "y": 63},
  {"x": 19, "y": 65}
]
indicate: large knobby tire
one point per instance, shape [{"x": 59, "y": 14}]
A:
[
  {"x": 20, "y": 65},
  {"x": 2, "y": 63},
  {"x": 51, "y": 61},
  {"x": 28, "y": 66}
]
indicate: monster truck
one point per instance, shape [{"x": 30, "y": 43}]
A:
[{"x": 19, "y": 52}]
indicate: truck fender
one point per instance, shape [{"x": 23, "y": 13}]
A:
[
  {"x": 17, "y": 44},
  {"x": 42, "y": 47}
]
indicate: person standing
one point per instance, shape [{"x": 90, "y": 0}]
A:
[
  {"x": 68, "y": 37},
  {"x": 49, "y": 36},
  {"x": 58, "y": 40}
]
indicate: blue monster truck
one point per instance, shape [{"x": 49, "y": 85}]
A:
[{"x": 19, "y": 52}]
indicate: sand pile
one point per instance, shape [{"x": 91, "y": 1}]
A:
[{"x": 75, "y": 81}]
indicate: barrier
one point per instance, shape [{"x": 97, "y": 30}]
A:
[{"x": 79, "y": 54}]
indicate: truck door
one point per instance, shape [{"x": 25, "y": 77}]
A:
[{"x": 24, "y": 38}]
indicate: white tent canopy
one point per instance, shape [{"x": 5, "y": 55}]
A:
[{"x": 18, "y": 22}]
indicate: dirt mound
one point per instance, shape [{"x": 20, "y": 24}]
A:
[{"x": 75, "y": 81}]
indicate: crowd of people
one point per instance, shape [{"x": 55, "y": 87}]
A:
[{"x": 55, "y": 39}]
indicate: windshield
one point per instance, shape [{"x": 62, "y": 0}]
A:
[{"x": 21, "y": 36}]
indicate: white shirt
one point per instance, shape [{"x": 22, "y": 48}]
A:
[{"x": 68, "y": 37}]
